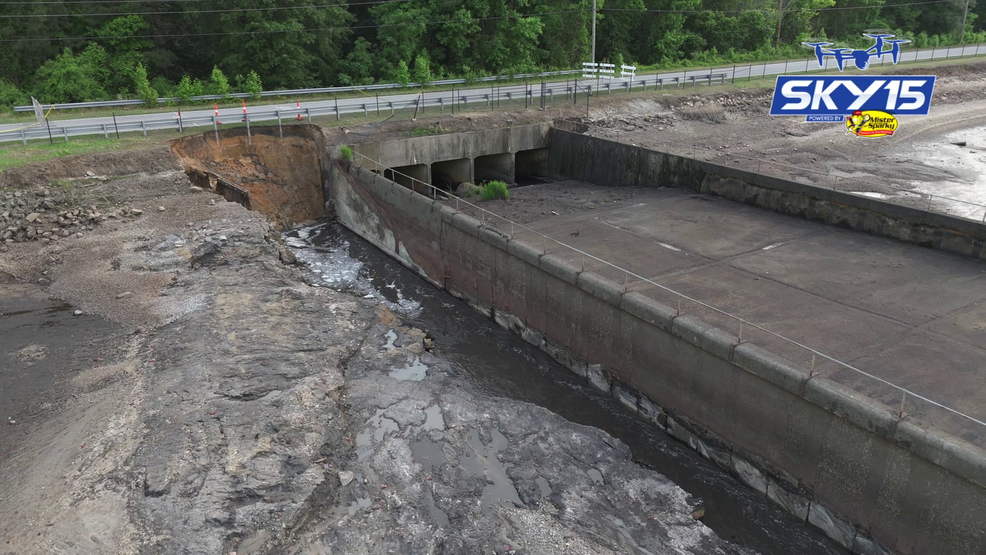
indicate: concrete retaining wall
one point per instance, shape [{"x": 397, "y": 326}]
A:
[
  {"x": 602, "y": 162},
  {"x": 438, "y": 148},
  {"x": 843, "y": 463}
]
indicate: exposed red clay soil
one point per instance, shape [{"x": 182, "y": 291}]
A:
[{"x": 281, "y": 175}]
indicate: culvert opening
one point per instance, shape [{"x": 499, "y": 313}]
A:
[{"x": 279, "y": 177}]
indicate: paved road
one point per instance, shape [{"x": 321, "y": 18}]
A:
[{"x": 440, "y": 100}]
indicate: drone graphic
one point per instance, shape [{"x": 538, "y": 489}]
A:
[{"x": 860, "y": 57}]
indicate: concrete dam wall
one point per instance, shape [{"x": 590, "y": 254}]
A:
[
  {"x": 844, "y": 463},
  {"x": 603, "y": 162},
  {"x": 447, "y": 160}
]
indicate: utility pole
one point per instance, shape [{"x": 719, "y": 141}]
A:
[
  {"x": 593, "y": 57},
  {"x": 964, "y": 16},
  {"x": 780, "y": 15}
]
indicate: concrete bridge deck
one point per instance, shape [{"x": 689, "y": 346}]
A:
[{"x": 908, "y": 314}]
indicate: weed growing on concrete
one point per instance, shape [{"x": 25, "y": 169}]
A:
[
  {"x": 347, "y": 153},
  {"x": 494, "y": 190},
  {"x": 436, "y": 129}
]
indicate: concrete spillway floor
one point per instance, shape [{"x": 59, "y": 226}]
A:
[{"x": 907, "y": 314}]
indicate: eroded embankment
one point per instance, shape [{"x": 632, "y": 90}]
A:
[{"x": 278, "y": 177}]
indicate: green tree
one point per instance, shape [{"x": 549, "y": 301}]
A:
[
  {"x": 11, "y": 95},
  {"x": 565, "y": 38},
  {"x": 71, "y": 78},
  {"x": 253, "y": 85},
  {"x": 187, "y": 88},
  {"x": 218, "y": 84},
  {"x": 402, "y": 75},
  {"x": 124, "y": 50},
  {"x": 402, "y": 33},
  {"x": 20, "y": 59},
  {"x": 162, "y": 86},
  {"x": 799, "y": 19},
  {"x": 422, "y": 69},
  {"x": 278, "y": 43},
  {"x": 850, "y": 23},
  {"x": 357, "y": 67},
  {"x": 620, "y": 31},
  {"x": 669, "y": 39},
  {"x": 143, "y": 87}
]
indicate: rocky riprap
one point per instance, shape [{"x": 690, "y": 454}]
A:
[{"x": 46, "y": 215}]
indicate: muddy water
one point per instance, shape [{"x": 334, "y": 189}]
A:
[
  {"x": 502, "y": 365},
  {"x": 961, "y": 158},
  {"x": 42, "y": 343}
]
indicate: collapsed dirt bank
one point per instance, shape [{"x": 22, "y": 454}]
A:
[
  {"x": 235, "y": 408},
  {"x": 279, "y": 176}
]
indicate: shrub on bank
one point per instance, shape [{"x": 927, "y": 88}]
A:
[{"x": 494, "y": 190}]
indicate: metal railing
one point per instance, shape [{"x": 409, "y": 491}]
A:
[
  {"x": 440, "y": 100},
  {"x": 463, "y": 97},
  {"x": 678, "y": 77},
  {"x": 297, "y": 92},
  {"x": 489, "y": 219}
]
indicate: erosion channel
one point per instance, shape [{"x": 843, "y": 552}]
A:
[
  {"x": 453, "y": 347},
  {"x": 493, "y": 363}
]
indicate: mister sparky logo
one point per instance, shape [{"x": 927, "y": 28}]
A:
[
  {"x": 871, "y": 123},
  {"x": 864, "y": 103}
]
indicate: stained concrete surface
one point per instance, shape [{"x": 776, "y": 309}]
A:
[{"x": 904, "y": 313}]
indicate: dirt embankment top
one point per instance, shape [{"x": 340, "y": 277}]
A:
[{"x": 125, "y": 162}]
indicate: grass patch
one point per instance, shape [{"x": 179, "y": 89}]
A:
[
  {"x": 15, "y": 154},
  {"x": 494, "y": 190},
  {"x": 436, "y": 129},
  {"x": 347, "y": 153}
]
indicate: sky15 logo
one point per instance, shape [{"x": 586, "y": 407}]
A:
[{"x": 867, "y": 104}]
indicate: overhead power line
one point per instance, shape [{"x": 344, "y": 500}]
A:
[
  {"x": 775, "y": 11},
  {"x": 308, "y": 30},
  {"x": 368, "y": 3},
  {"x": 376, "y": 2},
  {"x": 93, "y": 2},
  {"x": 193, "y": 12},
  {"x": 189, "y": 12}
]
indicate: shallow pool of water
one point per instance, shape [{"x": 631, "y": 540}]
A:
[{"x": 961, "y": 155}]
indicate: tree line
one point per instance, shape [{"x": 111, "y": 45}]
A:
[{"x": 94, "y": 50}]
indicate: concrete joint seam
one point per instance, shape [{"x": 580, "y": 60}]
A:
[
  {"x": 648, "y": 310},
  {"x": 555, "y": 266},
  {"x": 703, "y": 335},
  {"x": 600, "y": 287},
  {"x": 763, "y": 364},
  {"x": 466, "y": 223}
]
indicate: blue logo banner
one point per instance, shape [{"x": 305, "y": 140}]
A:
[{"x": 834, "y": 95}]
